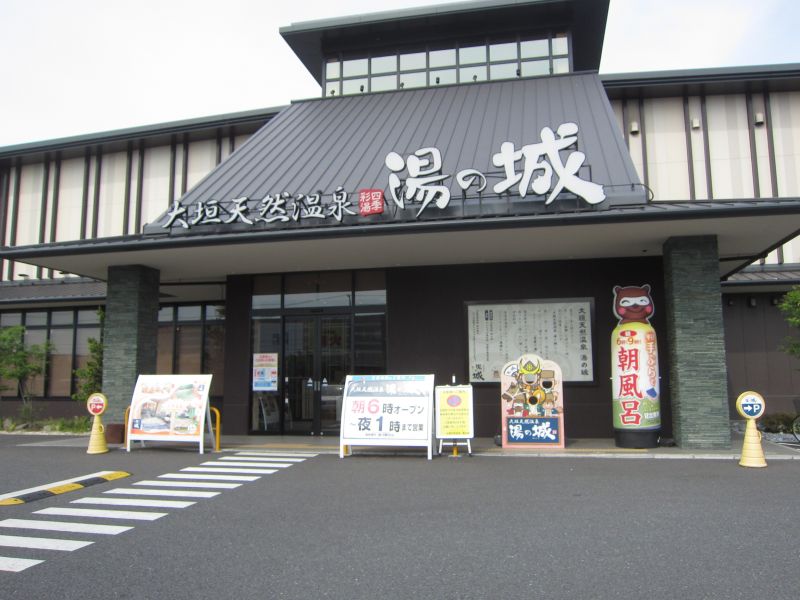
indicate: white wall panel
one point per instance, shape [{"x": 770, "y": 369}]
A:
[
  {"x": 729, "y": 147},
  {"x": 762, "y": 149},
  {"x": 635, "y": 140},
  {"x": 202, "y": 159},
  {"x": 667, "y": 159},
  {"x": 70, "y": 199},
  {"x": 697, "y": 139},
  {"x": 155, "y": 186},
  {"x": 786, "y": 131},
  {"x": 111, "y": 210}
]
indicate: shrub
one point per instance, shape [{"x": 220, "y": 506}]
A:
[{"x": 776, "y": 422}]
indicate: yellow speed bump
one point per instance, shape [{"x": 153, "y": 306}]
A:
[{"x": 60, "y": 487}]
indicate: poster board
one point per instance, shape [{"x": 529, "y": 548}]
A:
[
  {"x": 387, "y": 410},
  {"x": 560, "y": 329},
  {"x": 265, "y": 372},
  {"x": 169, "y": 408},
  {"x": 454, "y": 413},
  {"x": 532, "y": 403}
]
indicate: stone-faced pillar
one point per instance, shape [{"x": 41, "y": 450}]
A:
[
  {"x": 696, "y": 339},
  {"x": 130, "y": 336}
]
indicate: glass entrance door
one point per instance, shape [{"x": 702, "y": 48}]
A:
[{"x": 318, "y": 358}]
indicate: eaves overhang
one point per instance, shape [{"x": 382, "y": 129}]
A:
[
  {"x": 148, "y": 135},
  {"x": 722, "y": 80},
  {"x": 745, "y": 230}
]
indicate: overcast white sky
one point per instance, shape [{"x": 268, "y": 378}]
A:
[{"x": 72, "y": 67}]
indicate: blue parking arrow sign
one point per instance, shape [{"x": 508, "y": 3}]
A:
[{"x": 750, "y": 405}]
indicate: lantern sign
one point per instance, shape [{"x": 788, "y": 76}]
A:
[{"x": 634, "y": 369}]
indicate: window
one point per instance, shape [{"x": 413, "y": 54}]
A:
[{"x": 495, "y": 59}]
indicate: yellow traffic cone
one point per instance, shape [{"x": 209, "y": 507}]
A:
[
  {"x": 97, "y": 441},
  {"x": 752, "y": 452}
]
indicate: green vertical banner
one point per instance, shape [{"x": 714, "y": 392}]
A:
[{"x": 634, "y": 362}]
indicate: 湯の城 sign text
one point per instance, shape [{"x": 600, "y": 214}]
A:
[{"x": 417, "y": 181}]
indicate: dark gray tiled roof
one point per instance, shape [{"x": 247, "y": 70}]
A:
[
  {"x": 45, "y": 291},
  {"x": 319, "y": 145}
]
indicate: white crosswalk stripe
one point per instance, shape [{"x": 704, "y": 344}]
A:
[
  {"x": 132, "y": 515},
  {"x": 15, "y": 565},
  {"x": 189, "y": 484},
  {"x": 206, "y": 477},
  {"x": 140, "y": 502},
  {"x": 223, "y": 470},
  {"x": 64, "y": 526},
  {"x": 266, "y": 465},
  {"x": 194, "y": 483},
  {"x": 263, "y": 458},
  {"x": 37, "y": 543},
  {"x": 145, "y": 492},
  {"x": 273, "y": 453}
]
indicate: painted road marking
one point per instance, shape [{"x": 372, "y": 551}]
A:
[
  {"x": 18, "y": 541},
  {"x": 189, "y": 484},
  {"x": 15, "y": 565},
  {"x": 221, "y": 470},
  {"x": 102, "y": 514},
  {"x": 60, "y": 487},
  {"x": 267, "y": 465},
  {"x": 140, "y": 502},
  {"x": 64, "y": 526},
  {"x": 263, "y": 458},
  {"x": 301, "y": 454},
  {"x": 144, "y": 492},
  {"x": 210, "y": 477},
  {"x": 227, "y": 473}
]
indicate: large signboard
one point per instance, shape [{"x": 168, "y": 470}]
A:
[
  {"x": 169, "y": 408},
  {"x": 387, "y": 410},
  {"x": 454, "y": 417},
  {"x": 415, "y": 181},
  {"x": 558, "y": 329},
  {"x": 532, "y": 403}
]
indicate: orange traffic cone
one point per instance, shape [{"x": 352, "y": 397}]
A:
[
  {"x": 97, "y": 441},
  {"x": 752, "y": 452}
]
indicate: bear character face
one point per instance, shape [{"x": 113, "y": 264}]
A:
[{"x": 633, "y": 304}]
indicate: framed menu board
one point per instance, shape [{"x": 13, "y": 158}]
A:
[{"x": 560, "y": 329}]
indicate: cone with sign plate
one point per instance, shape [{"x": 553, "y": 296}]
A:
[
  {"x": 752, "y": 452},
  {"x": 96, "y": 404}
]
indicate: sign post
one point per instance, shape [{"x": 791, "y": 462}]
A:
[
  {"x": 751, "y": 406},
  {"x": 387, "y": 410},
  {"x": 454, "y": 416}
]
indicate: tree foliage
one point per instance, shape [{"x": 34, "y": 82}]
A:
[
  {"x": 89, "y": 378},
  {"x": 20, "y": 362},
  {"x": 790, "y": 306}
]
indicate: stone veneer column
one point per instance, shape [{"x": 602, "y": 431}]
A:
[
  {"x": 130, "y": 337},
  {"x": 698, "y": 374}
]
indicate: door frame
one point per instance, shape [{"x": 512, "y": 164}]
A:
[{"x": 316, "y": 377}]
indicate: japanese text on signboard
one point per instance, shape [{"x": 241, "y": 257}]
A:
[
  {"x": 558, "y": 329},
  {"x": 417, "y": 180}
]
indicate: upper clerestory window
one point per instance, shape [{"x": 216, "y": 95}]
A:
[{"x": 494, "y": 60}]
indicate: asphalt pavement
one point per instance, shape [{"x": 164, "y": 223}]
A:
[{"x": 395, "y": 525}]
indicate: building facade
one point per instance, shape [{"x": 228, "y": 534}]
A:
[{"x": 458, "y": 165}]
